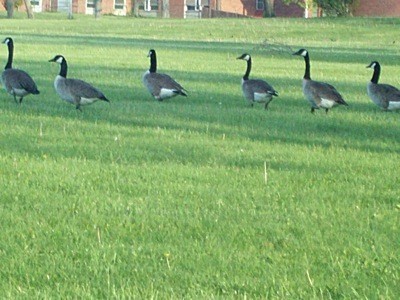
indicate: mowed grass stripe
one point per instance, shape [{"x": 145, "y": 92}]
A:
[{"x": 144, "y": 199}]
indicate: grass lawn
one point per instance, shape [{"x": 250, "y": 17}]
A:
[{"x": 200, "y": 197}]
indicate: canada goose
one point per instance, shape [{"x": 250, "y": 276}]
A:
[
  {"x": 161, "y": 86},
  {"x": 256, "y": 90},
  {"x": 385, "y": 96},
  {"x": 17, "y": 83},
  {"x": 319, "y": 94},
  {"x": 74, "y": 91}
]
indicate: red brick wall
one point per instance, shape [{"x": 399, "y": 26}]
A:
[
  {"x": 79, "y": 6},
  {"x": 378, "y": 8},
  {"x": 248, "y": 8},
  {"x": 291, "y": 10},
  {"x": 107, "y": 7},
  {"x": 244, "y": 7},
  {"x": 176, "y": 9}
]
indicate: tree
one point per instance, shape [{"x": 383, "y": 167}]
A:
[
  {"x": 10, "y": 5},
  {"x": 97, "y": 8},
  {"x": 330, "y": 7},
  {"x": 336, "y": 7},
  {"x": 165, "y": 9},
  {"x": 135, "y": 8},
  {"x": 269, "y": 8},
  {"x": 10, "y": 8},
  {"x": 28, "y": 8},
  {"x": 218, "y": 4}
]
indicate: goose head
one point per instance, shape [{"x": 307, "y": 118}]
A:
[
  {"x": 58, "y": 59},
  {"x": 373, "y": 65},
  {"x": 245, "y": 57},
  {"x": 151, "y": 53},
  {"x": 7, "y": 41},
  {"x": 301, "y": 52}
]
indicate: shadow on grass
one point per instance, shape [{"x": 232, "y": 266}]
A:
[{"x": 288, "y": 121}]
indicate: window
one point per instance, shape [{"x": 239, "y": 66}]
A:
[
  {"x": 35, "y": 3},
  {"x": 119, "y": 4},
  {"x": 259, "y": 4},
  {"x": 149, "y": 5},
  {"x": 90, "y": 4},
  {"x": 193, "y": 4}
]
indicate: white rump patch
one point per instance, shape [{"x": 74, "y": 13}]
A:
[
  {"x": 327, "y": 103},
  {"x": 85, "y": 101},
  {"x": 261, "y": 96},
  {"x": 166, "y": 93},
  {"x": 394, "y": 105},
  {"x": 20, "y": 92}
]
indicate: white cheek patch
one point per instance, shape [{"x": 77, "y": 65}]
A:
[
  {"x": 373, "y": 66},
  {"x": 59, "y": 60},
  {"x": 304, "y": 53}
]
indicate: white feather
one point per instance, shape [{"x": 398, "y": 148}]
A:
[
  {"x": 59, "y": 60},
  {"x": 327, "y": 103},
  {"x": 394, "y": 105},
  {"x": 166, "y": 93},
  {"x": 261, "y": 96}
]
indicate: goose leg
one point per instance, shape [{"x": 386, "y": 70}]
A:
[
  {"x": 77, "y": 103},
  {"x": 15, "y": 98},
  {"x": 312, "y": 110}
]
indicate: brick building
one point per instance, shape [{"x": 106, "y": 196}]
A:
[
  {"x": 377, "y": 8},
  {"x": 193, "y": 8},
  {"x": 177, "y": 8}
]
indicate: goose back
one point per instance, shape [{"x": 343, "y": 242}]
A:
[
  {"x": 162, "y": 86},
  {"x": 18, "y": 82},
  {"x": 321, "y": 94},
  {"x": 258, "y": 90},
  {"x": 77, "y": 91},
  {"x": 384, "y": 95}
]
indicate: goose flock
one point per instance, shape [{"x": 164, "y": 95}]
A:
[{"x": 320, "y": 95}]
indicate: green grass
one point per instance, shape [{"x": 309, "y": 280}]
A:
[{"x": 141, "y": 199}]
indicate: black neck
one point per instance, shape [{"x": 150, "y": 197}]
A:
[
  {"x": 307, "y": 72},
  {"x": 64, "y": 68},
  {"x": 247, "y": 74},
  {"x": 10, "y": 45},
  {"x": 153, "y": 63},
  {"x": 377, "y": 72}
]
